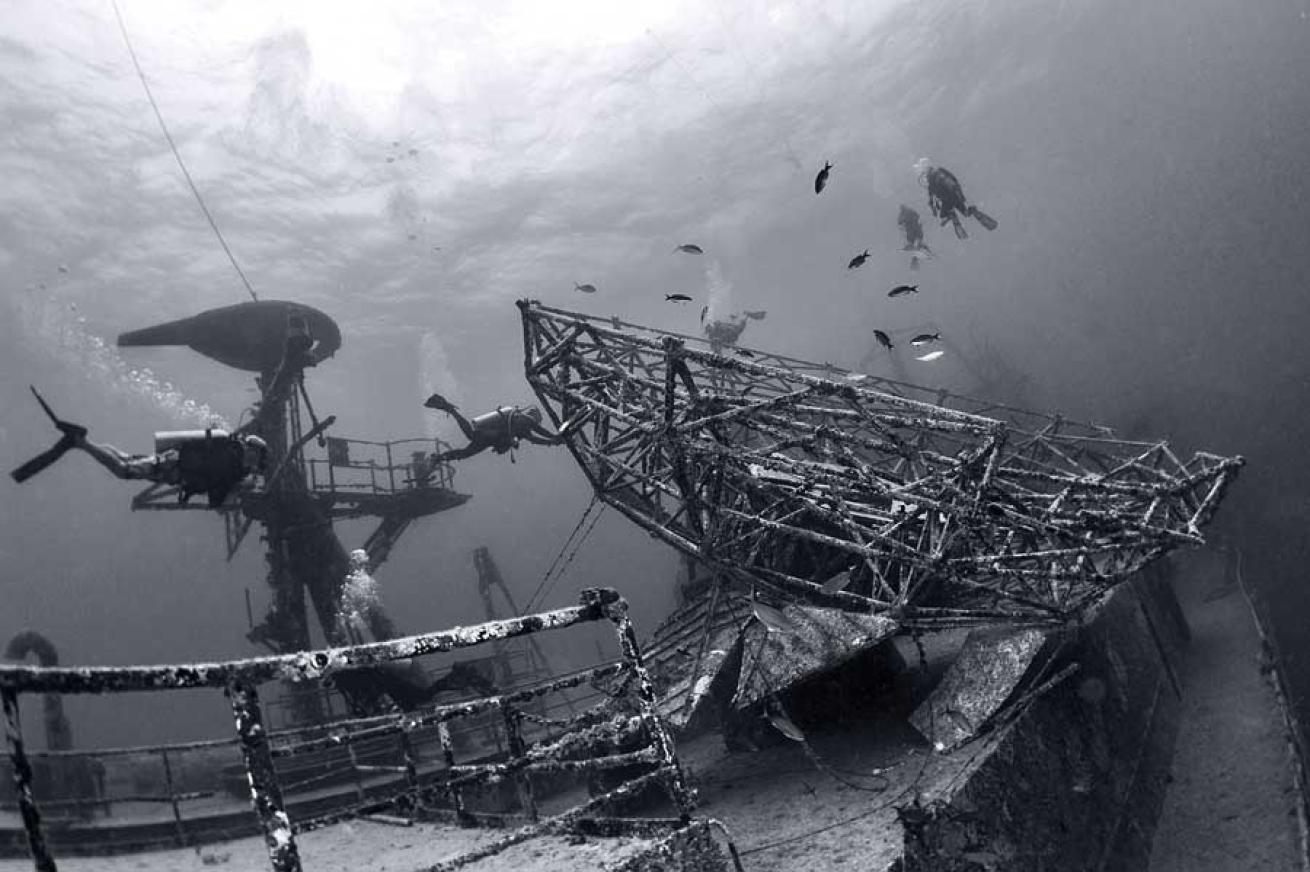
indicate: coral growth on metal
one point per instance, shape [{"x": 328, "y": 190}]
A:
[{"x": 788, "y": 475}]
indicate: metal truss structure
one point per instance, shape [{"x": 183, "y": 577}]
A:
[{"x": 807, "y": 484}]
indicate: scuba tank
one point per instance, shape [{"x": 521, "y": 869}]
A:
[
  {"x": 492, "y": 422},
  {"x": 209, "y": 462},
  {"x": 169, "y": 440}
]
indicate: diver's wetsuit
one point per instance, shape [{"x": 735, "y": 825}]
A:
[
  {"x": 213, "y": 467},
  {"x": 500, "y": 431},
  {"x": 947, "y": 202},
  {"x": 912, "y": 227}
]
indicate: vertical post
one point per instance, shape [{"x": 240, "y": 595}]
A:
[
  {"x": 514, "y": 739},
  {"x": 391, "y": 469},
  {"x": 448, "y": 753},
  {"x": 172, "y": 798},
  {"x": 615, "y": 608},
  {"x": 411, "y": 762},
  {"x": 23, "y": 784},
  {"x": 265, "y": 794},
  {"x": 354, "y": 770}
]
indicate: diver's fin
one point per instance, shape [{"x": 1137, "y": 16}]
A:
[
  {"x": 983, "y": 218},
  {"x": 440, "y": 403},
  {"x": 960, "y": 232},
  {"x": 44, "y": 459},
  {"x": 69, "y": 429}
]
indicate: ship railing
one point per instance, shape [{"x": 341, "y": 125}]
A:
[
  {"x": 361, "y": 466},
  {"x": 428, "y": 774}
]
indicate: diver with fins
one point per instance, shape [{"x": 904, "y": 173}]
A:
[
  {"x": 946, "y": 198},
  {"x": 210, "y": 462},
  {"x": 500, "y": 429}
]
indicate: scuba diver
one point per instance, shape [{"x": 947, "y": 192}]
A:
[
  {"x": 724, "y": 332},
  {"x": 500, "y": 430},
  {"x": 912, "y": 228},
  {"x": 210, "y": 462},
  {"x": 946, "y": 197}
]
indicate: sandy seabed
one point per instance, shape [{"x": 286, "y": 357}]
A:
[{"x": 365, "y": 846}]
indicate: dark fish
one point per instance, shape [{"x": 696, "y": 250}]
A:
[
  {"x": 821, "y": 180},
  {"x": 690, "y": 249},
  {"x": 678, "y": 298},
  {"x": 703, "y": 312},
  {"x": 786, "y": 726},
  {"x": 883, "y": 339},
  {"x": 391, "y": 160},
  {"x": 413, "y": 236},
  {"x": 742, "y": 352},
  {"x": 63, "y": 267},
  {"x": 902, "y": 290},
  {"x": 586, "y": 289},
  {"x": 413, "y": 152},
  {"x": 773, "y": 619},
  {"x": 757, "y": 315},
  {"x": 925, "y": 338},
  {"x": 858, "y": 260}
]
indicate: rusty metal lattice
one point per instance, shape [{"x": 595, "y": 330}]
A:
[
  {"x": 620, "y": 732},
  {"x": 812, "y": 484}
]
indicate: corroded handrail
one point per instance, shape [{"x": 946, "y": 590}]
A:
[{"x": 239, "y": 679}]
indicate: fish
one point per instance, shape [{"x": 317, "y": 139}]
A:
[
  {"x": 901, "y": 290},
  {"x": 858, "y": 260},
  {"x": 413, "y": 152},
  {"x": 930, "y": 356},
  {"x": 689, "y": 248},
  {"x": 883, "y": 339},
  {"x": 821, "y": 180},
  {"x": 837, "y": 582},
  {"x": 856, "y": 377},
  {"x": 677, "y": 298},
  {"x": 391, "y": 160},
  {"x": 63, "y": 267},
  {"x": 786, "y": 726},
  {"x": 742, "y": 352},
  {"x": 925, "y": 338},
  {"x": 586, "y": 289},
  {"x": 773, "y": 619},
  {"x": 757, "y": 314},
  {"x": 705, "y": 310}
]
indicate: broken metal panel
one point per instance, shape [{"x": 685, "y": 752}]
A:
[
  {"x": 1073, "y": 778},
  {"x": 816, "y": 641},
  {"x": 681, "y": 701},
  {"x": 991, "y": 665}
]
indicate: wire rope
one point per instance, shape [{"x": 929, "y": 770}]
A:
[{"x": 178, "y": 155}]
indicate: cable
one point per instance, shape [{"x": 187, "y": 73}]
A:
[
  {"x": 572, "y": 554},
  {"x": 542, "y": 587},
  {"x": 176, "y": 154},
  {"x": 841, "y": 823}
]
